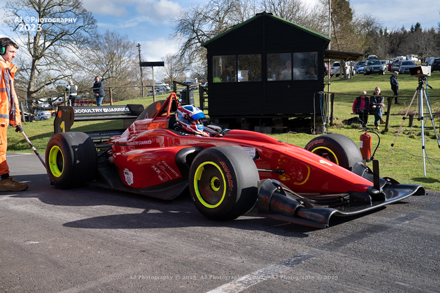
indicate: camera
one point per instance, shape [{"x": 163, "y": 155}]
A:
[{"x": 420, "y": 71}]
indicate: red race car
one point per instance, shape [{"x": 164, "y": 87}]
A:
[{"x": 168, "y": 149}]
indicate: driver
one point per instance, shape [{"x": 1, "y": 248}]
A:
[{"x": 189, "y": 121}]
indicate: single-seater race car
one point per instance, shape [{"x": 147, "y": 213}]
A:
[{"x": 168, "y": 149}]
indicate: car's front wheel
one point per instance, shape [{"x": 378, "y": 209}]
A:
[
  {"x": 223, "y": 182},
  {"x": 336, "y": 148}
]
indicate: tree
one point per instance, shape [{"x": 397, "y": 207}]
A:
[
  {"x": 341, "y": 23},
  {"x": 368, "y": 36},
  {"x": 51, "y": 29},
  {"x": 200, "y": 23},
  {"x": 173, "y": 69},
  {"x": 114, "y": 59}
]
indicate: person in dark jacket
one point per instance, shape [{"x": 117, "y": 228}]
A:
[
  {"x": 395, "y": 85},
  {"x": 361, "y": 106},
  {"x": 98, "y": 90},
  {"x": 377, "y": 104}
]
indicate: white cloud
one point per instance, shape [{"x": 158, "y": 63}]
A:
[
  {"x": 156, "y": 11},
  {"x": 159, "y": 11},
  {"x": 115, "y": 8},
  {"x": 155, "y": 50}
]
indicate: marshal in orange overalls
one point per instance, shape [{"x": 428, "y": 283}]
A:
[{"x": 9, "y": 110}]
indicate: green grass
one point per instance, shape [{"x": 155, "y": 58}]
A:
[{"x": 402, "y": 162}]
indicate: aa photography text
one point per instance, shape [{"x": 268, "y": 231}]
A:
[
  {"x": 30, "y": 23},
  {"x": 231, "y": 278}
]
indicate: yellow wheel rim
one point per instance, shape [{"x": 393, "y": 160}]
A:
[
  {"x": 56, "y": 161},
  {"x": 321, "y": 151},
  {"x": 209, "y": 184}
]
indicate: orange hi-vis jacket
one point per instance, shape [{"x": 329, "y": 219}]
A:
[{"x": 9, "y": 109}]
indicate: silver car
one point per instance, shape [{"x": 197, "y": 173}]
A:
[
  {"x": 395, "y": 66},
  {"x": 374, "y": 66},
  {"x": 405, "y": 65}
]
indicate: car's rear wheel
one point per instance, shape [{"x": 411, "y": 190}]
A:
[
  {"x": 223, "y": 182},
  {"x": 71, "y": 159},
  {"x": 336, "y": 148}
]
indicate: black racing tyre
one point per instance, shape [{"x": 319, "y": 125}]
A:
[
  {"x": 223, "y": 182},
  {"x": 337, "y": 148},
  {"x": 71, "y": 159}
]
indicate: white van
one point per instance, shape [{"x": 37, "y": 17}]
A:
[{"x": 412, "y": 57}]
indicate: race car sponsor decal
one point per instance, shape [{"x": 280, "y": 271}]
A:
[
  {"x": 248, "y": 150},
  {"x": 143, "y": 142},
  {"x": 128, "y": 176},
  {"x": 108, "y": 110},
  {"x": 163, "y": 170},
  {"x": 164, "y": 166},
  {"x": 316, "y": 142},
  {"x": 228, "y": 175}
]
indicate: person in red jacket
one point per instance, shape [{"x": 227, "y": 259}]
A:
[
  {"x": 361, "y": 106},
  {"x": 9, "y": 111}
]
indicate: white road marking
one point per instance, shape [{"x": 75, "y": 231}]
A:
[{"x": 267, "y": 273}]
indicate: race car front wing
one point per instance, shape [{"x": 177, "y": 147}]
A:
[{"x": 276, "y": 201}]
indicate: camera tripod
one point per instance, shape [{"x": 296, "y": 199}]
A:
[{"x": 422, "y": 96}]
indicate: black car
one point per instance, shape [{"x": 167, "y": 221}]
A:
[{"x": 435, "y": 64}]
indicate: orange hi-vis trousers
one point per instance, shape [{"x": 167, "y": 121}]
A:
[{"x": 4, "y": 168}]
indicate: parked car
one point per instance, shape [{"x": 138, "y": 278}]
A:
[
  {"x": 390, "y": 62},
  {"x": 374, "y": 66},
  {"x": 385, "y": 64},
  {"x": 360, "y": 69},
  {"x": 336, "y": 66},
  {"x": 351, "y": 65},
  {"x": 42, "y": 115},
  {"x": 429, "y": 60},
  {"x": 395, "y": 66},
  {"x": 360, "y": 64},
  {"x": 435, "y": 64},
  {"x": 405, "y": 65}
]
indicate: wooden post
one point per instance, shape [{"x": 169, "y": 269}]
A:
[
  {"x": 201, "y": 94},
  {"x": 22, "y": 112},
  {"x": 411, "y": 120},
  {"x": 387, "y": 123},
  {"x": 111, "y": 96},
  {"x": 332, "y": 103}
]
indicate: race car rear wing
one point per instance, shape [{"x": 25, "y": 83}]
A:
[{"x": 66, "y": 116}]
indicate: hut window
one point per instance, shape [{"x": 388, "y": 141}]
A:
[
  {"x": 279, "y": 66},
  {"x": 249, "y": 68},
  {"x": 305, "y": 66},
  {"x": 224, "y": 68}
]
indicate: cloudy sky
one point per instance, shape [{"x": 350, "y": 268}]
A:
[{"x": 148, "y": 22}]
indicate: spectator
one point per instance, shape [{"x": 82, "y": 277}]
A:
[
  {"x": 377, "y": 104},
  {"x": 361, "y": 106},
  {"x": 71, "y": 90},
  {"x": 395, "y": 85},
  {"x": 98, "y": 90},
  {"x": 9, "y": 111},
  {"x": 229, "y": 74}
]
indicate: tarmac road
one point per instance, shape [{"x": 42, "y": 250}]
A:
[{"x": 98, "y": 240}]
